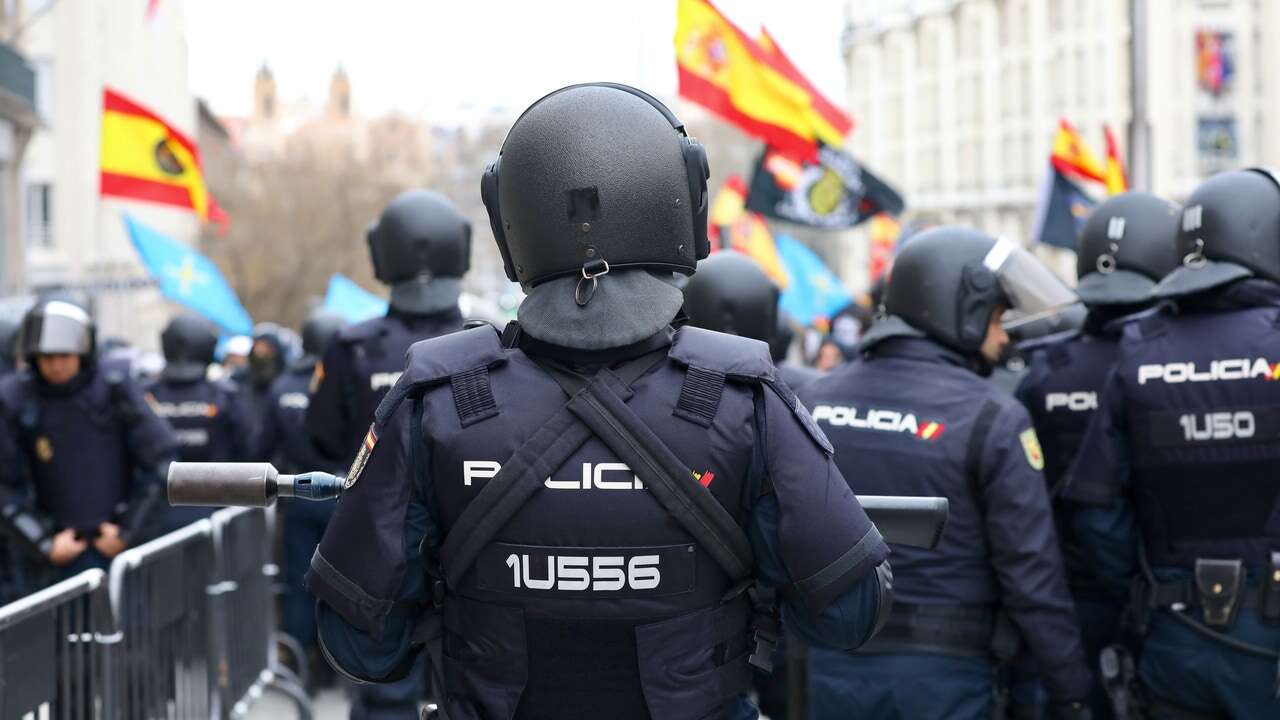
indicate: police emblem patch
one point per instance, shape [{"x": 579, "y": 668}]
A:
[
  {"x": 44, "y": 449},
  {"x": 1031, "y": 446},
  {"x": 362, "y": 457}
]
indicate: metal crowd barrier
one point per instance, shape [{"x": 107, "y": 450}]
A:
[
  {"x": 57, "y": 651},
  {"x": 168, "y": 664},
  {"x": 246, "y": 608},
  {"x": 183, "y": 628}
]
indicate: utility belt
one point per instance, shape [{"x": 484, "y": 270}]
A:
[
  {"x": 981, "y": 631},
  {"x": 1218, "y": 589}
]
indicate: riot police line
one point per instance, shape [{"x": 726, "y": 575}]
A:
[
  {"x": 611, "y": 506},
  {"x": 181, "y": 626}
]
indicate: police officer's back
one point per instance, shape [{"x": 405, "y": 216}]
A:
[
  {"x": 421, "y": 248},
  {"x": 592, "y": 559},
  {"x": 1184, "y": 445},
  {"x": 914, "y": 416},
  {"x": 209, "y": 417},
  {"x": 91, "y": 452}
]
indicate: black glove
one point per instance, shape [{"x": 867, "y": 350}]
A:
[{"x": 1070, "y": 710}]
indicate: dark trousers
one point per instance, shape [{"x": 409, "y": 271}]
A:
[
  {"x": 304, "y": 524},
  {"x": 1099, "y": 622},
  {"x": 900, "y": 686},
  {"x": 1201, "y": 675},
  {"x": 392, "y": 701}
]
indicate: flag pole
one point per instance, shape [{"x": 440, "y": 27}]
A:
[{"x": 1139, "y": 126}]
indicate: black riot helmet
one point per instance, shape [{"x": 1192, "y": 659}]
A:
[
  {"x": 1231, "y": 230},
  {"x": 1128, "y": 244},
  {"x": 56, "y": 327},
  {"x": 318, "y": 331},
  {"x": 731, "y": 294},
  {"x": 597, "y": 177},
  {"x": 188, "y": 344},
  {"x": 948, "y": 280},
  {"x": 419, "y": 232}
]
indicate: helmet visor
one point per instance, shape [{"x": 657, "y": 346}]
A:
[
  {"x": 62, "y": 329},
  {"x": 1031, "y": 289}
]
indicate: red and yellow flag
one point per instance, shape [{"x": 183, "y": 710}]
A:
[
  {"x": 830, "y": 123},
  {"x": 744, "y": 231},
  {"x": 1117, "y": 181},
  {"x": 145, "y": 158},
  {"x": 725, "y": 71},
  {"x": 1072, "y": 156}
]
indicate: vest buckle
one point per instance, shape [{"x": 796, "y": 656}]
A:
[{"x": 1218, "y": 583}]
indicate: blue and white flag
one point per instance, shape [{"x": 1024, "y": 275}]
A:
[
  {"x": 814, "y": 290},
  {"x": 187, "y": 277},
  {"x": 351, "y": 301}
]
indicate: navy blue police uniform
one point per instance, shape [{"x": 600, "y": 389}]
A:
[
  {"x": 210, "y": 419},
  {"x": 1179, "y": 463},
  {"x": 91, "y": 451},
  {"x": 912, "y": 418},
  {"x": 579, "y": 593},
  {"x": 285, "y": 442}
]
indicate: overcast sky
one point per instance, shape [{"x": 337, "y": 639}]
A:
[{"x": 430, "y": 57}]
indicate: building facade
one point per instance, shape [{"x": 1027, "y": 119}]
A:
[
  {"x": 957, "y": 101},
  {"x": 75, "y": 239}
]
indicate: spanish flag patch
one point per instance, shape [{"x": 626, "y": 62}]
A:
[{"x": 362, "y": 457}]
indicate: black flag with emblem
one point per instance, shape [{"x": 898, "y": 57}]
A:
[{"x": 835, "y": 193}]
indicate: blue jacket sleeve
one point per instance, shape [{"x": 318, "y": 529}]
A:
[
  {"x": 1025, "y": 554},
  {"x": 846, "y": 623}
]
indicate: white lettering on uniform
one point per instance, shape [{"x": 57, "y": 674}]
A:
[
  {"x": 593, "y": 476},
  {"x": 295, "y": 400},
  {"x": 575, "y": 573},
  {"x": 1176, "y": 373},
  {"x": 188, "y": 409},
  {"x": 194, "y": 437},
  {"x": 882, "y": 420},
  {"x": 380, "y": 380},
  {"x": 1077, "y": 401}
]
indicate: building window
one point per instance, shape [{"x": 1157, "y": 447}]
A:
[
  {"x": 40, "y": 215},
  {"x": 43, "y": 68}
]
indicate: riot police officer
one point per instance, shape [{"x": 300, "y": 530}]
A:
[
  {"x": 1127, "y": 245},
  {"x": 209, "y": 417},
  {"x": 284, "y": 441},
  {"x": 593, "y": 557},
  {"x": 1182, "y": 452},
  {"x": 8, "y": 347},
  {"x": 914, "y": 416},
  {"x": 91, "y": 453},
  {"x": 421, "y": 247},
  {"x": 731, "y": 294}
]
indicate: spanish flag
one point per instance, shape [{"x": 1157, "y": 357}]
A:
[
  {"x": 145, "y": 158},
  {"x": 1072, "y": 156},
  {"x": 725, "y": 71},
  {"x": 1117, "y": 182},
  {"x": 831, "y": 124}
]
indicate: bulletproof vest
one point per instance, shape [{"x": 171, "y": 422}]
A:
[
  {"x": 591, "y": 601},
  {"x": 197, "y": 411},
  {"x": 911, "y": 419},
  {"x": 1202, "y": 403},
  {"x": 376, "y": 349},
  {"x": 290, "y": 398},
  {"x": 1063, "y": 384},
  {"x": 76, "y": 447}
]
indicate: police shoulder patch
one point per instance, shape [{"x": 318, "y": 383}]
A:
[
  {"x": 1031, "y": 446},
  {"x": 362, "y": 458}
]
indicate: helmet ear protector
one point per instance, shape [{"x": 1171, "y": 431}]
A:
[
  {"x": 979, "y": 293},
  {"x": 697, "y": 170}
]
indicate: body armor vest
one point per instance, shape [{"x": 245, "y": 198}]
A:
[
  {"x": 591, "y": 601},
  {"x": 1202, "y": 402},
  {"x": 198, "y": 412},
  {"x": 76, "y": 446}
]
